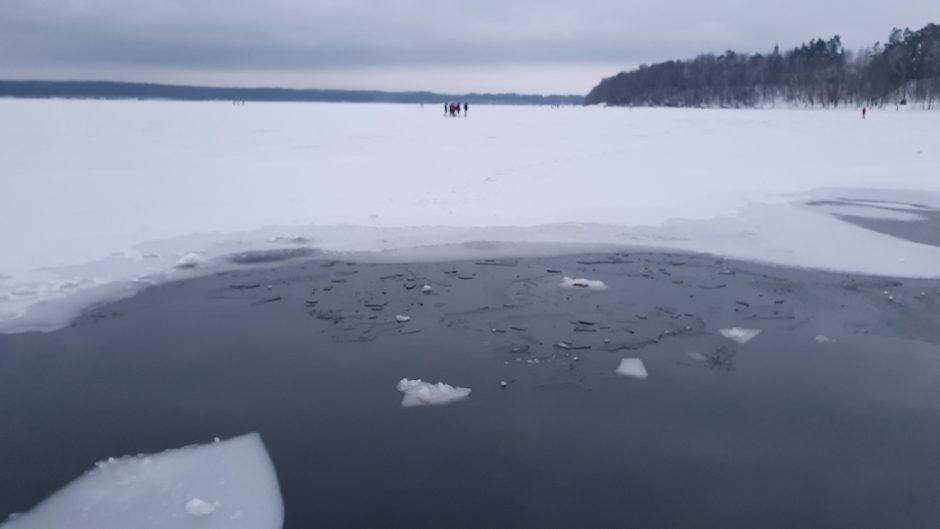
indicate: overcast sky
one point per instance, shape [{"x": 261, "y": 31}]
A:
[{"x": 539, "y": 46}]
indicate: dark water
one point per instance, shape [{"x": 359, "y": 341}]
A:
[
  {"x": 922, "y": 230},
  {"x": 779, "y": 432}
]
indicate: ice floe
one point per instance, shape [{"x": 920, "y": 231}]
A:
[
  {"x": 223, "y": 485},
  {"x": 588, "y": 284},
  {"x": 199, "y": 507},
  {"x": 419, "y": 393},
  {"x": 632, "y": 367},
  {"x": 190, "y": 260},
  {"x": 740, "y": 335}
]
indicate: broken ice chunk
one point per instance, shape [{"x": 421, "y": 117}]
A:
[
  {"x": 418, "y": 393},
  {"x": 588, "y": 284},
  {"x": 823, "y": 339},
  {"x": 426, "y": 289},
  {"x": 190, "y": 260},
  {"x": 198, "y": 507},
  {"x": 740, "y": 335},
  {"x": 632, "y": 367},
  {"x": 218, "y": 483},
  {"x": 402, "y": 319}
]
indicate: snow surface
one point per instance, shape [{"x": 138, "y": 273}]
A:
[
  {"x": 587, "y": 284},
  {"x": 103, "y": 197},
  {"x": 418, "y": 393},
  {"x": 227, "y": 484},
  {"x": 740, "y": 335},
  {"x": 632, "y": 367}
]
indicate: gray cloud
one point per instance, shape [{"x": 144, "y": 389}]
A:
[{"x": 274, "y": 37}]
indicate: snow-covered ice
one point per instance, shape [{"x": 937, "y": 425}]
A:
[
  {"x": 632, "y": 367},
  {"x": 102, "y": 197},
  {"x": 419, "y": 393},
  {"x": 223, "y": 485},
  {"x": 740, "y": 335},
  {"x": 402, "y": 319},
  {"x": 587, "y": 284}
]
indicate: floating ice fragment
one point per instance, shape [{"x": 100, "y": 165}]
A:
[
  {"x": 426, "y": 289},
  {"x": 289, "y": 239},
  {"x": 589, "y": 284},
  {"x": 695, "y": 355},
  {"x": 418, "y": 393},
  {"x": 740, "y": 335},
  {"x": 190, "y": 260},
  {"x": 198, "y": 507},
  {"x": 159, "y": 491},
  {"x": 632, "y": 367},
  {"x": 823, "y": 339},
  {"x": 402, "y": 319},
  {"x": 270, "y": 256}
]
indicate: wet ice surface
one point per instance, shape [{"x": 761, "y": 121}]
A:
[
  {"x": 902, "y": 218},
  {"x": 226, "y": 484},
  {"x": 309, "y": 353}
]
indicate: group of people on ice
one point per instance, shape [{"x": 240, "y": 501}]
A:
[{"x": 454, "y": 109}]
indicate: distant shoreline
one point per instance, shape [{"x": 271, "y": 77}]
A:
[{"x": 29, "y": 89}]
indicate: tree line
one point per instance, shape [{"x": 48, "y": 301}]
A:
[
  {"x": 904, "y": 70},
  {"x": 119, "y": 90}
]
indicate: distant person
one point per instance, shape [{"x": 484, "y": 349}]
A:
[
  {"x": 445, "y": 108},
  {"x": 864, "y": 111},
  {"x": 465, "y": 107}
]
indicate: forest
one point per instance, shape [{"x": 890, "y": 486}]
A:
[
  {"x": 118, "y": 90},
  {"x": 903, "y": 71}
]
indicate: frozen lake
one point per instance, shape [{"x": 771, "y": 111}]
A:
[{"x": 102, "y": 197}]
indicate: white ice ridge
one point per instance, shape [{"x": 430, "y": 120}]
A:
[
  {"x": 588, "y": 284},
  {"x": 740, "y": 335},
  {"x": 632, "y": 367},
  {"x": 418, "y": 393},
  {"x": 223, "y": 485}
]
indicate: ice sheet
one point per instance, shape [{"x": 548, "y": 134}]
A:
[
  {"x": 120, "y": 191},
  {"x": 223, "y": 485}
]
